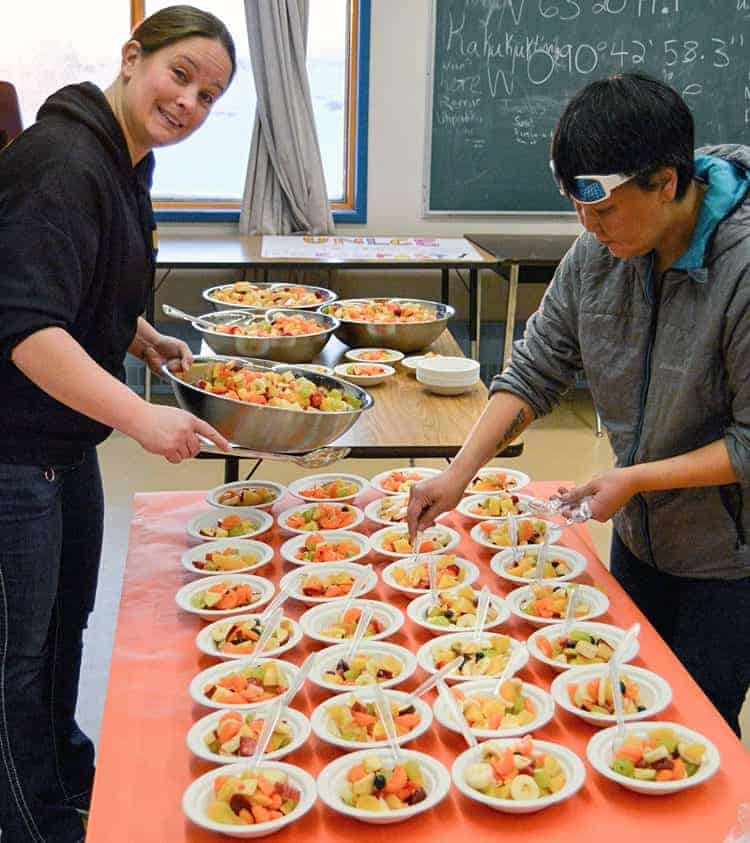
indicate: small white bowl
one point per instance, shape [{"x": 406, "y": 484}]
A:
[
  {"x": 543, "y": 703},
  {"x": 197, "y": 553},
  {"x": 515, "y": 480},
  {"x": 598, "y": 604},
  {"x": 261, "y": 585},
  {"x": 599, "y": 753},
  {"x": 423, "y": 473},
  {"x": 417, "y": 611},
  {"x": 322, "y": 569},
  {"x": 283, "y": 518},
  {"x": 446, "y": 390},
  {"x": 448, "y": 366},
  {"x": 426, "y": 660},
  {"x": 502, "y": 561},
  {"x": 471, "y": 575},
  {"x": 310, "y": 367},
  {"x": 411, "y": 363},
  {"x": 376, "y": 540},
  {"x": 291, "y": 546},
  {"x": 313, "y": 480},
  {"x": 213, "y": 496},
  {"x": 213, "y": 674},
  {"x": 205, "y": 642},
  {"x": 262, "y": 519},
  {"x": 329, "y": 657},
  {"x": 341, "y": 371},
  {"x": 480, "y": 537},
  {"x": 611, "y": 634},
  {"x": 372, "y": 510},
  {"x": 332, "y": 777},
  {"x": 655, "y": 692},
  {"x": 575, "y": 775},
  {"x": 298, "y": 723},
  {"x": 356, "y": 354},
  {"x": 319, "y": 718},
  {"x": 197, "y": 797},
  {"x": 469, "y": 501},
  {"x": 316, "y": 619}
]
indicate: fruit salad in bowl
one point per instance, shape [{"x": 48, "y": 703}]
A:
[
  {"x": 242, "y": 684},
  {"x": 529, "y": 531},
  {"x": 413, "y": 577},
  {"x": 212, "y": 598},
  {"x": 542, "y": 603},
  {"x": 318, "y": 517},
  {"x": 328, "y": 487},
  {"x": 237, "y": 638},
  {"x": 234, "y": 556},
  {"x": 374, "y": 355},
  {"x": 398, "y": 481},
  {"x": 330, "y": 546},
  {"x": 485, "y": 656},
  {"x": 261, "y": 494},
  {"x": 245, "y": 524},
  {"x": 265, "y": 296},
  {"x": 388, "y": 510},
  {"x": 483, "y": 507},
  {"x": 364, "y": 374},
  {"x": 374, "y": 662},
  {"x": 394, "y": 541},
  {"x": 562, "y": 564},
  {"x": 327, "y": 581},
  {"x": 332, "y": 624},
  {"x": 496, "y": 481},
  {"x": 583, "y": 644},
  {"x": 455, "y": 610}
]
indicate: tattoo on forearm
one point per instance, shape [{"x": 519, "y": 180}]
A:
[{"x": 513, "y": 429}]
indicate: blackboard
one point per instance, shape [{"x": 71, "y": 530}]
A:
[{"x": 502, "y": 71}]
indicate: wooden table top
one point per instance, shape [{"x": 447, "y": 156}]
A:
[{"x": 527, "y": 249}]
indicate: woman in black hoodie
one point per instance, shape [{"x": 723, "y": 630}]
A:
[{"x": 78, "y": 246}]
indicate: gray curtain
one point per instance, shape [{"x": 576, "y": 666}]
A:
[{"x": 285, "y": 189}]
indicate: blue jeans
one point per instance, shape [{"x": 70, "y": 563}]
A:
[
  {"x": 51, "y": 520},
  {"x": 705, "y": 622}
]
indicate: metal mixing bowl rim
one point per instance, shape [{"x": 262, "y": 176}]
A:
[
  {"x": 291, "y": 310},
  {"x": 331, "y": 295},
  {"x": 450, "y": 311}
]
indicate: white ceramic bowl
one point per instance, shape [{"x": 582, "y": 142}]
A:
[
  {"x": 384, "y": 372},
  {"x": 515, "y": 480},
  {"x": 198, "y": 553},
  {"x": 503, "y": 560},
  {"x": 575, "y": 774},
  {"x": 611, "y": 634},
  {"x": 213, "y": 674},
  {"x": 423, "y": 474},
  {"x": 448, "y": 370},
  {"x": 598, "y": 604},
  {"x": 318, "y": 618},
  {"x": 543, "y": 703},
  {"x": 356, "y": 354},
  {"x": 656, "y": 694},
  {"x": 197, "y": 797},
  {"x": 323, "y": 569},
  {"x": 417, "y": 611},
  {"x": 329, "y": 657},
  {"x": 333, "y": 776},
  {"x": 599, "y": 753},
  {"x": 262, "y": 519},
  {"x": 205, "y": 642},
  {"x": 471, "y": 574},
  {"x": 437, "y": 530},
  {"x": 283, "y": 518},
  {"x": 291, "y": 546},
  {"x": 480, "y": 537},
  {"x": 311, "y": 367},
  {"x": 313, "y": 480},
  {"x": 297, "y": 722},
  {"x": 426, "y": 660},
  {"x": 411, "y": 363},
  {"x": 260, "y": 585},
  {"x": 319, "y": 718},
  {"x": 469, "y": 501},
  {"x": 446, "y": 390},
  {"x": 213, "y": 496}
]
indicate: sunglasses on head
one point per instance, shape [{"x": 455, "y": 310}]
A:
[{"x": 588, "y": 190}]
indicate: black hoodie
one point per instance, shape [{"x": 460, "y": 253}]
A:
[{"x": 76, "y": 252}]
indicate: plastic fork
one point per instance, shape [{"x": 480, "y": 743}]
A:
[
  {"x": 359, "y": 632},
  {"x": 386, "y": 718},
  {"x": 569, "y": 618},
  {"x": 458, "y": 715},
  {"x": 432, "y": 572},
  {"x": 513, "y": 536},
  {"x": 541, "y": 556},
  {"x": 280, "y": 598},
  {"x": 299, "y": 680},
  {"x": 433, "y": 679},
  {"x": 269, "y": 725},
  {"x": 483, "y": 607},
  {"x": 271, "y": 624},
  {"x": 513, "y": 664},
  {"x": 614, "y": 676},
  {"x": 358, "y": 587}
]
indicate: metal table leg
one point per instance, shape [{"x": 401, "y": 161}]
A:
[
  {"x": 510, "y": 313},
  {"x": 475, "y": 311},
  {"x": 445, "y": 292}
]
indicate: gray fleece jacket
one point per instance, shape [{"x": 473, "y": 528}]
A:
[{"x": 667, "y": 376}]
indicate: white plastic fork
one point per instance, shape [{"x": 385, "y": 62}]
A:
[
  {"x": 358, "y": 587},
  {"x": 271, "y": 624},
  {"x": 269, "y": 725},
  {"x": 572, "y": 600},
  {"x": 541, "y": 556},
  {"x": 433, "y": 679},
  {"x": 359, "y": 632},
  {"x": 615, "y": 661},
  {"x": 432, "y": 572},
  {"x": 508, "y": 671},
  {"x": 513, "y": 537},
  {"x": 299, "y": 679},
  {"x": 457, "y": 713},
  {"x": 386, "y": 718},
  {"x": 483, "y": 607}
]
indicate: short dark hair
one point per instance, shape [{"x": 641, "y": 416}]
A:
[
  {"x": 175, "y": 23},
  {"x": 630, "y": 124}
]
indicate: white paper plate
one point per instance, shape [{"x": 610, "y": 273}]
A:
[
  {"x": 316, "y": 619},
  {"x": 424, "y": 473},
  {"x": 282, "y": 519},
  {"x": 516, "y": 480},
  {"x": 468, "y": 501},
  {"x": 376, "y": 540},
  {"x": 205, "y": 642},
  {"x": 340, "y": 371},
  {"x": 598, "y": 604},
  {"x": 197, "y": 553},
  {"x": 291, "y": 546},
  {"x": 611, "y": 634},
  {"x": 213, "y": 496},
  {"x": 356, "y": 354},
  {"x": 213, "y": 674},
  {"x": 417, "y": 611},
  {"x": 313, "y": 480},
  {"x": 260, "y": 585},
  {"x": 330, "y": 656},
  {"x": 480, "y": 537},
  {"x": 471, "y": 574},
  {"x": 262, "y": 519},
  {"x": 323, "y": 569},
  {"x": 372, "y": 510},
  {"x": 426, "y": 660},
  {"x": 503, "y": 560}
]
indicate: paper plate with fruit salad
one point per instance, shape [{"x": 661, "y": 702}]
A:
[
  {"x": 331, "y": 625},
  {"x": 388, "y": 510},
  {"x": 543, "y": 603},
  {"x": 260, "y": 494},
  {"x": 482, "y": 507},
  {"x": 351, "y": 721},
  {"x": 236, "y": 638},
  {"x": 455, "y": 611},
  {"x": 241, "y": 524},
  {"x": 394, "y": 541},
  {"x": 364, "y": 374},
  {"x": 518, "y": 709},
  {"x": 587, "y": 693},
  {"x": 227, "y": 737},
  {"x": 485, "y": 656},
  {"x": 585, "y": 643},
  {"x": 398, "y": 481},
  {"x": 225, "y": 595},
  {"x": 328, "y": 487},
  {"x": 562, "y": 565},
  {"x": 319, "y": 517},
  {"x": 373, "y": 662},
  {"x": 497, "y": 481},
  {"x": 412, "y": 576},
  {"x": 327, "y": 581},
  {"x": 495, "y": 533},
  {"x": 518, "y": 776},
  {"x": 330, "y": 546},
  {"x": 243, "y": 684},
  {"x": 207, "y": 802},
  {"x": 374, "y": 355},
  {"x": 656, "y": 758},
  {"x": 370, "y": 787},
  {"x": 233, "y": 556}
]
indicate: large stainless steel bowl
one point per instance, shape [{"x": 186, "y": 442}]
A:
[
  {"x": 262, "y": 428},
  {"x": 302, "y": 349},
  {"x": 210, "y": 296},
  {"x": 403, "y": 336}
]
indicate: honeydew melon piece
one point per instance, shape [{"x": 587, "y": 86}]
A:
[{"x": 220, "y": 812}]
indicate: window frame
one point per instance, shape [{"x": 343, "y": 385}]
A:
[{"x": 353, "y": 208}]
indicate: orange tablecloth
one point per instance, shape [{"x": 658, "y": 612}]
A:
[{"x": 144, "y": 764}]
